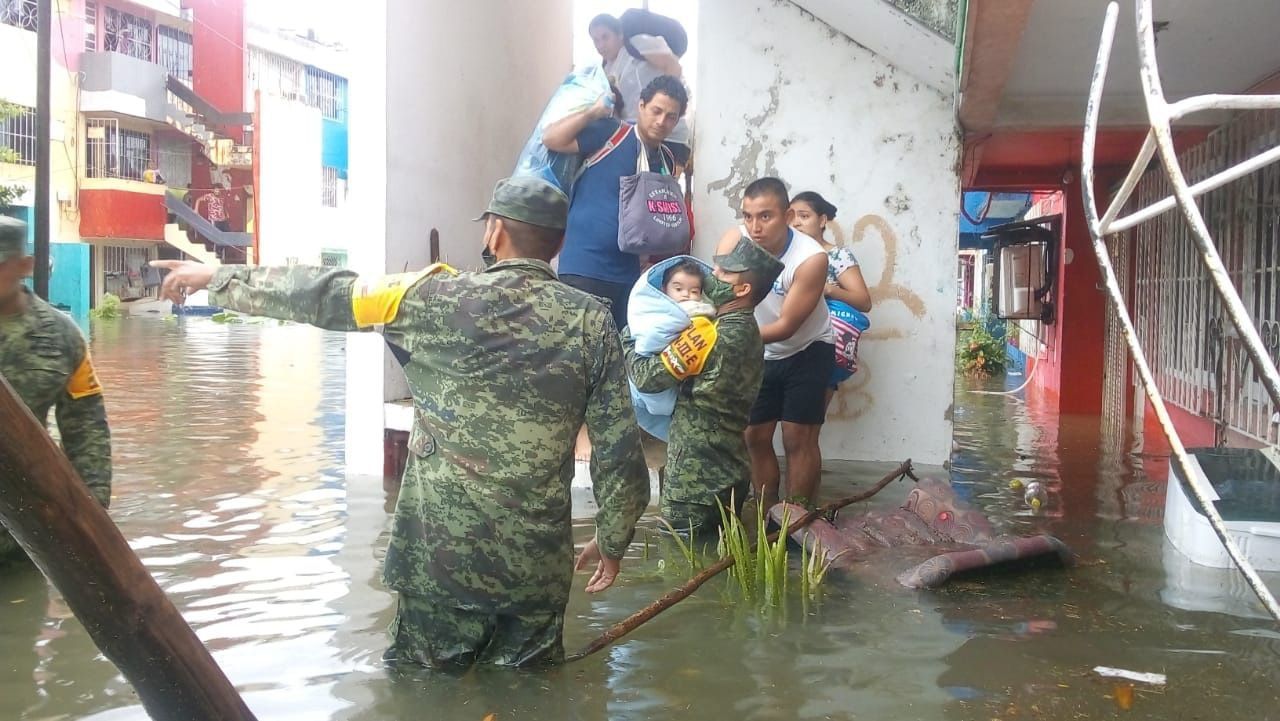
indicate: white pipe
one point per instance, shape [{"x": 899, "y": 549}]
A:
[
  {"x": 1122, "y": 313},
  {"x": 1235, "y": 172},
  {"x": 1197, "y": 103},
  {"x": 1035, "y": 367},
  {"x": 1158, "y": 114},
  {"x": 1136, "y": 172}
]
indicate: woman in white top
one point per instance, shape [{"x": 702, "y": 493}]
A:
[
  {"x": 630, "y": 75},
  {"x": 845, "y": 283}
]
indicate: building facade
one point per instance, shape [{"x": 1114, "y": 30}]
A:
[{"x": 156, "y": 143}]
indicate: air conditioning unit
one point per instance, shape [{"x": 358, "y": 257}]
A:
[
  {"x": 1026, "y": 268},
  {"x": 1022, "y": 275}
]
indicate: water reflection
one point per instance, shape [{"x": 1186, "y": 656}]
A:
[{"x": 231, "y": 487}]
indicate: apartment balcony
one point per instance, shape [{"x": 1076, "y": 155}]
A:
[
  {"x": 124, "y": 85},
  {"x": 121, "y": 208},
  {"x": 120, "y": 85}
]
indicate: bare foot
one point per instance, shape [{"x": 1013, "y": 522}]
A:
[{"x": 582, "y": 449}]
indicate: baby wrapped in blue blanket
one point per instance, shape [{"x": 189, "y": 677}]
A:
[{"x": 663, "y": 303}]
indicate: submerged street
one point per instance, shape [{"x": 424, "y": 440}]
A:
[{"x": 230, "y": 485}]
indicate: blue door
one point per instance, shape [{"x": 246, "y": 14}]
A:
[{"x": 69, "y": 278}]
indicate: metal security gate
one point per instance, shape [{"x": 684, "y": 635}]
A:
[
  {"x": 1115, "y": 388},
  {"x": 122, "y": 270},
  {"x": 1196, "y": 356},
  {"x": 1254, "y": 145}
]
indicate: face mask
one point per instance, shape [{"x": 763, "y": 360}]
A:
[
  {"x": 716, "y": 291},
  {"x": 486, "y": 255}
]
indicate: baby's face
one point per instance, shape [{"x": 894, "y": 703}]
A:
[{"x": 683, "y": 286}]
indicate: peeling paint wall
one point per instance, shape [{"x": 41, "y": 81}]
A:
[{"x": 782, "y": 93}]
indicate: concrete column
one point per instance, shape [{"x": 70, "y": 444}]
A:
[
  {"x": 441, "y": 105},
  {"x": 782, "y": 92}
]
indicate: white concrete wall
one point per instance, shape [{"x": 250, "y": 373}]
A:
[
  {"x": 439, "y": 111},
  {"x": 781, "y": 93},
  {"x": 289, "y": 195}
]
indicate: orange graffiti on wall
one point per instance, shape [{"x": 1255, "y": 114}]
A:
[{"x": 854, "y": 398}]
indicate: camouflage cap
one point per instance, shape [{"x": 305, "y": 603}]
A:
[
  {"x": 530, "y": 200},
  {"x": 747, "y": 255},
  {"x": 13, "y": 238}
]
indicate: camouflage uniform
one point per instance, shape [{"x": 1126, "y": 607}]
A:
[
  {"x": 706, "y": 455},
  {"x": 44, "y": 357},
  {"x": 505, "y": 366}
]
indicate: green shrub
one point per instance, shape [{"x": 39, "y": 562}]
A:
[
  {"x": 108, "y": 308},
  {"x": 979, "y": 353}
]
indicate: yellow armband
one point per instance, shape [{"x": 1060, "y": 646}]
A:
[
  {"x": 688, "y": 353},
  {"x": 378, "y": 303},
  {"x": 84, "y": 382}
]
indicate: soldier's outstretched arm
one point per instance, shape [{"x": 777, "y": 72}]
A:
[
  {"x": 619, "y": 477},
  {"x": 329, "y": 298},
  {"x": 82, "y": 424}
]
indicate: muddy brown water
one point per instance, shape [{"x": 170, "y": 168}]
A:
[{"x": 230, "y": 485}]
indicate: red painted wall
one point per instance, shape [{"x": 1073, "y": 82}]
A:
[
  {"x": 121, "y": 214},
  {"x": 1069, "y": 371},
  {"x": 1082, "y": 323},
  {"x": 217, "y": 37}
]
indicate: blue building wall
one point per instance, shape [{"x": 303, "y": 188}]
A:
[
  {"x": 333, "y": 145},
  {"x": 68, "y": 267},
  {"x": 333, "y": 133}
]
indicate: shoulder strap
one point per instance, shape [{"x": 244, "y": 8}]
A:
[
  {"x": 668, "y": 159},
  {"x": 614, "y": 141}
]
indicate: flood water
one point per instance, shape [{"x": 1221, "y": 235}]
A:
[{"x": 230, "y": 485}]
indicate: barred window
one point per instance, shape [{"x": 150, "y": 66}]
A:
[
  {"x": 17, "y": 134},
  {"x": 19, "y": 13},
  {"x": 126, "y": 34},
  {"x": 275, "y": 75},
  {"x": 329, "y": 187},
  {"x": 174, "y": 49},
  {"x": 328, "y": 92},
  {"x": 113, "y": 152},
  {"x": 90, "y": 26}
]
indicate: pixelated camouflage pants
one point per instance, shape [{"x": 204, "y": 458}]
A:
[
  {"x": 428, "y": 633},
  {"x": 703, "y": 519}
]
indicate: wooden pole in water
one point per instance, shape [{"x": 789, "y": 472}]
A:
[
  {"x": 632, "y": 622},
  {"x": 50, "y": 512}
]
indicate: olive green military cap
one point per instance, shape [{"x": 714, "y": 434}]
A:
[
  {"x": 530, "y": 200},
  {"x": 13, "y": 238},
  {"x": 747, "y": 255}
]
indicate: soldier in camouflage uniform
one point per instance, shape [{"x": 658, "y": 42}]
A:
[
  {"x": 46, "y": 360},
  {"x": 504, "y": 366},
  {"x": 717, "y": 368}
]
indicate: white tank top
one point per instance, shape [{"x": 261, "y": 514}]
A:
[{"x": 817, "y": 327}]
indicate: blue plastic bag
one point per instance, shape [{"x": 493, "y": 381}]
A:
[
  {"x": 847, "y": 325},
  {"x": 580, "y": 90}
]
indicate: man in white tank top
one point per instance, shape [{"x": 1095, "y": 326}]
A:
[{"x": 799, "y": 355}]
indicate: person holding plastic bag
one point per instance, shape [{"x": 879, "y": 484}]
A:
[
  {"x": 580, "y": 90},
  {"x": 847, "y": 296},
  {"x": 632, "y": 61}
]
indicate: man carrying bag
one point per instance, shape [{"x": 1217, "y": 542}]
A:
[{"x": 593, "y": 259}]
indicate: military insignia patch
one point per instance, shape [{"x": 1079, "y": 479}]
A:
[
  {"x": 84, "y": 382},
  {"x": 688, "y": 353},
  {"x": 378, "y": 302}
]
